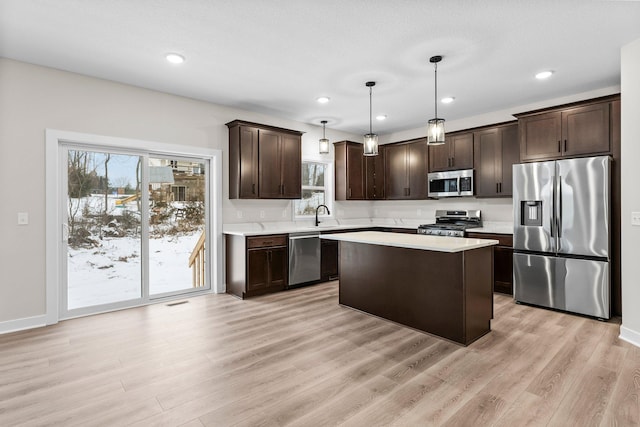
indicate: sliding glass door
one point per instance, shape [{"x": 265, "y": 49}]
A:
[
  {"x": 135, "y": 228},
  {"x": 177, "y": 226}
]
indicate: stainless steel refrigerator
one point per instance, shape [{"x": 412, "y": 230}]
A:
[{"x": 562, "y": 222}]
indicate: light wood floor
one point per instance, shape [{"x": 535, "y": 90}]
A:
[{"x": 298, "y": 358}]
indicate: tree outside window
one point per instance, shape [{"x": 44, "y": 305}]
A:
[{"x": 314, "y": 189}]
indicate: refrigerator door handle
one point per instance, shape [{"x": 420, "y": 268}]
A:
[{"x": 559, "y": 211}]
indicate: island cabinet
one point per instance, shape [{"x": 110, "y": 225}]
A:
[
  {"x": 256, "y": 265},
  {"x": 495, "y": 152},
  {"x": 439, "y": 285},
  {"x": 357, "y": 177},
  {"x": 456, "y": 153},
  {"x": 502, "y": 260},
  {"x": 265, "y": 162},
  {"x": 574, "y": 130},
  {"x": 406, "y": 170}
]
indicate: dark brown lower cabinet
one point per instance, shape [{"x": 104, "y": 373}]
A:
[
  {"x": 502, "y": 261},
  {"x": 256, "y": 265},
  {"x": 329, "y": 260}
]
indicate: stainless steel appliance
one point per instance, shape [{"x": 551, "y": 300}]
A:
[
  {"x": 452, "y": 223},
  {"x": 304, "y": 257},
  {"x": 450, "y": 183},
  {"x": 562, "y": 223}
]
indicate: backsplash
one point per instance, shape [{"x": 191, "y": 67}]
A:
[{"x": 495, "y": 210}]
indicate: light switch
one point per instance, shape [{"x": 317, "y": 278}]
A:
[
  {"x": 635, "y": 218},
  {"x": 23, "y": 218}
]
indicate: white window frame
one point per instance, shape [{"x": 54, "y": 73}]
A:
[
  {"x": 328, "y": 191},
  {"x": 55, "y": 140}
]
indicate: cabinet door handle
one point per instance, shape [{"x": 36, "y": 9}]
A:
[
  {"x": 349, "y": 192},
  {"x": 253, "y": 189},
  {"x": 497, "y": 187},
  {"x": 559, "y": 146},
  {"x": 565, "y": 145}
]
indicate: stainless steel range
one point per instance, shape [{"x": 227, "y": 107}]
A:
[{"x": 452, "y": 223}]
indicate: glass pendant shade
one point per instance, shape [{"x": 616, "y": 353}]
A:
[
  {"x": 435, "y": 126},
  {"x": 371, "y": 144},
  {"x": 370, "y": 139},
  {"x": 323, "y": 146},
  {"x": 323, "y": 143},
  {"x": 435, "y": 132}
]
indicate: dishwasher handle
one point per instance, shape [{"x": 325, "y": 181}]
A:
[{"x": 308, "y": 236}]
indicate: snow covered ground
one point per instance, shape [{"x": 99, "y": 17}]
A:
[{"x": 111, "y": 271}]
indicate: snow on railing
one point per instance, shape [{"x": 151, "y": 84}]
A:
[{"x": 196, "y": 262}]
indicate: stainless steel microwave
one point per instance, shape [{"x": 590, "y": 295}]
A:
[{"x": 451, "y": 183}]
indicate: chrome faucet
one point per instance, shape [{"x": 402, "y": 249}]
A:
[{"x": 318, "y": 208}]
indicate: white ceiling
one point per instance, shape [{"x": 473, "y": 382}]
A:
[{"x": 278, "y": 56}]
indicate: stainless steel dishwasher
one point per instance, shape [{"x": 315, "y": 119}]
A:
[{"x": 304, "y": 257}]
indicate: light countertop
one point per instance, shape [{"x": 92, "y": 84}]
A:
[
  {"x": 260, "y": 229},
  {"x": 493, "y": 228},
  {"x": 412, "y": 241},
  {"x": 264, "y": 228}
]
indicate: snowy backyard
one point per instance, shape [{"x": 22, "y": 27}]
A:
[{"x": 105, "y": 266}]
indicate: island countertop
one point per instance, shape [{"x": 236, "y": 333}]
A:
[{"x": 412, "y": 241}]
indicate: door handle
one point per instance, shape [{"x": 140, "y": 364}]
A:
[
  {"x": 565, "y": 145},
  {"x": 559, "y": 216},
  {"x": 559, "y": 146}
]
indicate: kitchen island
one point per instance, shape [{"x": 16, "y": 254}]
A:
[{"x": 439, "y": 285}]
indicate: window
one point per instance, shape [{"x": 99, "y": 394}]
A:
[
  {"x": 179, "y": 193},
  {"x": 315, "y": 189}
]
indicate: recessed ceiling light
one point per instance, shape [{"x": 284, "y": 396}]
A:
[
  {"x": 323, "y": 99},
  {"x": 174, "y": 58},
  {"x": 447, "y": 100},
  {"x": 544, "y": 75},
  {"x": 381, "y": 117}
]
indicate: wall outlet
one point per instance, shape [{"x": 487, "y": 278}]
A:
[
  {"x": 23, "y": 218},
  {"x": 261, "y": 214},
  {"x": 239, "y": 213},
  {"x": 635, "y": 218}
]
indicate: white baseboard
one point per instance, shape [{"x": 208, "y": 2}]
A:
[
  {"x": 22, "y": 324},
  {"x": 629, "y": 336}
]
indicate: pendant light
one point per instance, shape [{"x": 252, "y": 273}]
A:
[
  {"x": 370, "y": 139},
  {"x": 323, "y": 143},
  {"x": 435, "y": 128}
]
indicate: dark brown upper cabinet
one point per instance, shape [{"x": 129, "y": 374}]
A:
[
  {"x": 406, "y": 169},
  {"x": 496, "y": 150},
  {"x": 374, "y": 175},
  {"x": 358, "y": 177},
  {"x": 455, "y": 153},
  {"x": 581, "y": 129},
  {"x": 265, "y": 162},
  {"x": 349, "y": 171}
]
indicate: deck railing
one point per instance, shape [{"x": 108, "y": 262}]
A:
[{"x": 196, "y": 262}]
